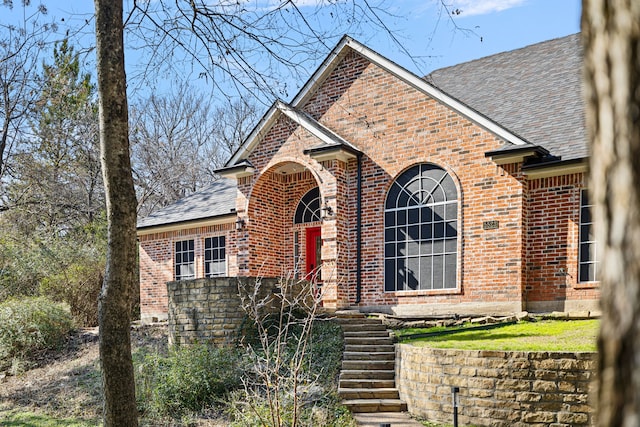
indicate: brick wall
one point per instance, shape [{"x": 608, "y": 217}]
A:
[
  {"x": 396, "y": 127},
  {"x": 552, "y": 247},
  {"x": 497, "y": 388}
]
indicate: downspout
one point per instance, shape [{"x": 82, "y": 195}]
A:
[{"x": 359, "y": 231}]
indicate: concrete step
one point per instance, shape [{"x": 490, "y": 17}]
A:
[
  {"x": 349, "y": 314},
  {"x": 375, "y": 405},
  {"x": 368, "y": 341},
  {"x": 370, "y": 365},
  {"x": 369, "y": 348},
  {"x": 366, "y": 334},
  {"x": 366, "y": 383},
  {"x": 368, "y": 393},
  {"x": 372, "y": 355},
  {"x": 367, "y": 374},
  {"x": 369, "y": 326}
]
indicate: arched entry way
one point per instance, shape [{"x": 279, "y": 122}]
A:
[
  {"x": 295, "y": 224},
  {"x": 284, "y": 223}
]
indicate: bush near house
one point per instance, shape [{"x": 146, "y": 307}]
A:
[{"x": 29, "y": 325}]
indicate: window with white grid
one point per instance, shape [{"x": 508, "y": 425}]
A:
[
  {"x": 215, "y": 257},
  {"x": 185, "y": 260},
  {"x": 588, "y": 257},
  {"x": 421, "y": 231}
]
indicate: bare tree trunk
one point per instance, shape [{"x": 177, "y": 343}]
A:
[
  {"x": 611, "y": 31},
  {"x": 120, "y": 278}
]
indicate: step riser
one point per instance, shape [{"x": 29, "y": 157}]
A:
[
  {"x": 367, "y": 341},
  {"x": 366, "y": 334},
  {"x": 372, "y": 384},
  {"x": 360, "y": 407},
  {"x": 369, "y": 365},
  {"x": 358, "y": 348},
  {"x": 352, "y": 394},
  {"x": 367, "y": 375},
  {"x": 364, "y": 327},
  {"x": 369, "y": 356}
]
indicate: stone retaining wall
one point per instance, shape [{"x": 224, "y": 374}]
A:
[
  {"x": 497, "y": 388},
  {"x": 210, "y": 310}
]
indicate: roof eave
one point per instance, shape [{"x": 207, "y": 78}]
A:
[
  {"x": 556, "y": 168},
  {"x": 240, "y": 170},
  {"x": 182, "y": 225},
  {"x": 332, "y": 152},
  {"x": 517, "y": 154}
]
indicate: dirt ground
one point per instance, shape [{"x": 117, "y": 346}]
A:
[{"x": 67, "y": 383}]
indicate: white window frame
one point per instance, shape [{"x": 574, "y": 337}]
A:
[
  {"x": 218, "y": 254},
  {"x": 184, "y": 248},
  {"x": 588, "y": 257},
  {"x": 421, "y": 231}
]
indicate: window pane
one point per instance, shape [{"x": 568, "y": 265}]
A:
[
  {"x": 402, "y": 217},
  {"x": 426, "y": 247},
  {"x": 413, "y": 248},
  {"x": 451, "y": 229},
  {"x": 426, "y": 214},
  {"x": 414, "y": 233},
  {"x": 451, "y": 211},
  {"x": 426, "y": 231},
  {"x": 438, "y": 272},
  {"x": 450, "y": 245},
  {"x": 389, "y": 219},
  {"x": 390, "y": 235},
  {"x": 401, "y": 274},
  {"x": 450, "y": 267},
  {"x": 449, "y": 188},
  {"x": 413, "y": 270},
  {"x": 414, "y": 216},
  {"x": 426, "y": 272},
  {"x": 389, "y": 250},
  {"x": 389, "y": 275}
]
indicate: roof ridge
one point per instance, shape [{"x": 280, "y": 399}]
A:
[{"x": 489, "y": 57}]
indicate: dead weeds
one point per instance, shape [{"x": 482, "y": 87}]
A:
[{"x": 67, "y": 383}]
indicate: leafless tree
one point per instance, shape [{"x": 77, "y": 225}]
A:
[
  {"x": 114, "y": 313},
  {"x": 611, "y": 32},
  {"x": 248, "y": 48},
  {"x": 20, "y": 47},
  {"x": 179, "y": 140}
]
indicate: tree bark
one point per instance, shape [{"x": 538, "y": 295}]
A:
[
  {"x": 120, "y": 278},
  {"x": 611, "y": 33}
]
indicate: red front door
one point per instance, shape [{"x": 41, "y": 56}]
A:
[{"x": 313, "y": 252}]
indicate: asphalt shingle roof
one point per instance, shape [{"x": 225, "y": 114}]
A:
[
  {"x": 534, "y": 92},
  {"x": 215, "y": 200}
]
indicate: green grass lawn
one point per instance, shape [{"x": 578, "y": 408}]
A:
[
  {"x": 41, "y": 420},
  {"x": 546, "y": 335}
]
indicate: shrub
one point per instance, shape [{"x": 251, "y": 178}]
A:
[
  {"x": 189, "y": 379},
  {"x": 28, "y": 325}
]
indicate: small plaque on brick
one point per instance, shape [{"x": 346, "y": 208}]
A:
[{"x": 490, "y": 225}]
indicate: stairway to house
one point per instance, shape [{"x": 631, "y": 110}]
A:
[{"x": 367, "y": 378}]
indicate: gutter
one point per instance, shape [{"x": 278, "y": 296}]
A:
[{"x": 359, "y": 230}]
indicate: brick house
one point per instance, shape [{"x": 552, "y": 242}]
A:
[{"x": 461, "y": 192}]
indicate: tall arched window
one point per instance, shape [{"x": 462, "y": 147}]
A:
[
  {"x": 421, "y": 230},
  {"x": 308, "y": 209}
]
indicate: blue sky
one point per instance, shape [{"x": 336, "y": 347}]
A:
[
  {"x": 484, "y": 27},
  {"x": 497, "y": 25}
]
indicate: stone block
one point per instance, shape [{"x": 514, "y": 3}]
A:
[{"x": 572, "y": 418}]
